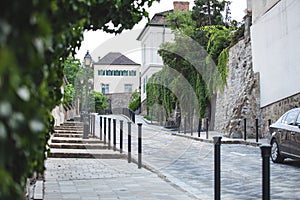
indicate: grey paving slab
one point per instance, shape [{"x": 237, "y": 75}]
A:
[{"x": 104, "y": 179}]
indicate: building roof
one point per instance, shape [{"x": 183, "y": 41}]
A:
[
  {"x": 115, "y": 58},
  {"x": 159, "y": 19}
]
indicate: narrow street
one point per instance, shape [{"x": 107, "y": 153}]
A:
[{"x": 188, "y": 164}]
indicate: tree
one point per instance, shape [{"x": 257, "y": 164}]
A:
[
  {"x": 97, "y": 101},
  {"x": 36, "y": 37},
  {"x": 135, "y": 100},
  {"x": 71, "y": 69},
  {"x": 69, "y": 94},
  {"x": 209, "y": 12}
]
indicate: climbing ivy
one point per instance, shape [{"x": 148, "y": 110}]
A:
[
  {"x": 222, "y": 65},
  {"x": 199, "y": 53}
]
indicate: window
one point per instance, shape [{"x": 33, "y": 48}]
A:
[
  {"x": 132, "y": 73},
  {"x": 290, "y": 117},
  {"x": 125, "y": 72},
  {"x": 128, "y": 88},
  {"x": 145, "y": 84},
  {"x": 144, "y": 54},
  {"x": 101, "y": 72},
  {"x": 298, "y": 120},
  {"x": 108, "y": 73},
  {"x": 105, "y": 88},
  {"x": 116, "y": 73}
]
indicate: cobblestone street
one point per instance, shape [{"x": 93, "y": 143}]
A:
[
  {"x": 173, "y": 168},
  {"x": 189, "y": 164}
]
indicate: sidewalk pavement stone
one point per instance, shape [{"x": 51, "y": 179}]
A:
[{"x": 73, "y": 178}]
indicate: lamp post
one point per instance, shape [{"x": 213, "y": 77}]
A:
[
  {"x": 87, "y": 63},
  {"x": 81, "y": 81}
]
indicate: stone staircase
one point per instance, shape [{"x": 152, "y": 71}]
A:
[{"x": 67, "y": 142}]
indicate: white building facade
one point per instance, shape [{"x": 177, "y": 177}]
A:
[
  {"x": 115, "y": 73},
  {"x": 275, "y": 36},
  {"x": 152, "y": 36}
]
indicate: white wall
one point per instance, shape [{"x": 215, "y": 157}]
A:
[
  {"x": 145, "y": 77},
  {"x": 260, "y": 7},
  {"x": 151, "y": 40},
  {"x": 116, "y": 83},
  {"x": 275, "y": 51}
]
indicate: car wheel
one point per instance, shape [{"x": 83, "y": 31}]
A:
[{"x": 275, "y": 154}]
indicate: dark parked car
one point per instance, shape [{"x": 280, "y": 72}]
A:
[{"x": 285, "y": 136}]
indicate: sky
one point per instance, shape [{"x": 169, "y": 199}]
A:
[{"x": 99, "y": 43}]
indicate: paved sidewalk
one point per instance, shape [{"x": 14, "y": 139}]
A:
[{"x": 72, "y": 178}]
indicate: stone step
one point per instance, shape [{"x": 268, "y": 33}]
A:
[
  {"x": 67, "y": 135},
  {"x": 74, "y": 140},
  {"x": 72, "y": 123},
  {"x": 77, "y": 146},
  {"x": 65, "y": 130},
  {"x": 84, "y": 153},
  {"x": 68, "y": 131},
  {"x": 68, "y": 127}
]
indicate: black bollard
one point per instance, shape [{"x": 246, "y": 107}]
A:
[
  {"x": 129, "y": 142},
  {"x": 100, "y": 128},
  {"x": 269, "y": 124},
  {"x": 256, "y": 127},
  {"x": 94, "y": 119},
  {"x": 85, "y": 126},
  {"x": 184, "y": 124},
  {"x": 121, "y": 136},
  {"x": 207, "y": 128},
  {"x": 265, "y": 154},
  {"x": 191, "y": 124},
  {"x": 115, "y": 134},
  {"x": 104, "y": 130},
  {"x": 91, "y": 118},
  {"x": 217, "y": 144},
  {"x": 90, "y": 123},
  {"x": 109, "y": 132},
  {"x": 199, "y": 126},
  {"x": 139, "y": 145},
  {"x": 245, "y": 129}
]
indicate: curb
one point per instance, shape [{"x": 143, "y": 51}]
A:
[
  {"x": 255, "y": 144},
  {"x": 250, "y": 143}
]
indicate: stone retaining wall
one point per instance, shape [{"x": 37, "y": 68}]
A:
[
  {"x": 119, "y": 100},
  {"x": 275, "y": 110},
  {"x": 240, "y": 98}
]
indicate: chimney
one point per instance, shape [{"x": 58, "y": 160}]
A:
[{"x": 181, "y": 6}]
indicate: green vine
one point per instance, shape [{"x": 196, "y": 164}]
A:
[
  {"x": 222, "y": 65},
  {"x": 205, "y": 69}
]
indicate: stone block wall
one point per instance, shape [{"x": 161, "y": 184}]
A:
[
  {"x": 240, "y": 98},
  {"x": 119, "y": 100},
  {"x": 275, "y": 110}
]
